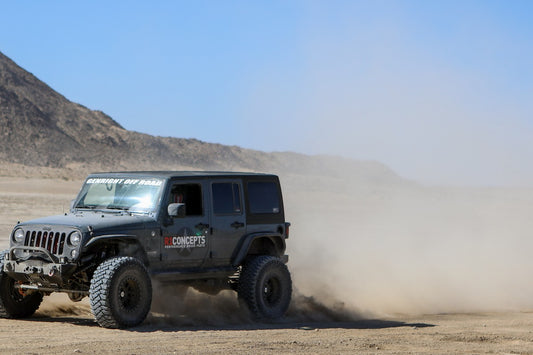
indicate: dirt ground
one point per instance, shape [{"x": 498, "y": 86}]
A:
[
  {"x": 71, "y": 331},
  {"x": 208, "y": 324}
]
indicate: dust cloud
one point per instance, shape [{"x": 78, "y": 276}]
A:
[
  {"x": 59, "y": 305},
  {"x": 403, "y": 248},
  {"x": 187, "y": 307}
]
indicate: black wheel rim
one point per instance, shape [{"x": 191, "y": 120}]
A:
[
  {"x": 271, "y": 291},
  {"x": 129, "y": 294}
]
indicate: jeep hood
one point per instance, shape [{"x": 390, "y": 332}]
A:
[{"x": 100, "y": 222}]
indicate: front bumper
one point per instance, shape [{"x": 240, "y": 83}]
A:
[{"x": 39, "y": 271}]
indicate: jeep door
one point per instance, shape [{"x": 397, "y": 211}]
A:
[
  {"x": 228, "y": 221},
  {"x": 184, "y": 241}
]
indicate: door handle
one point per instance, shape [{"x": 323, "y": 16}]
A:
[
  {"x": 201, "y": 226},
  {"x": 237, "y": 225}
]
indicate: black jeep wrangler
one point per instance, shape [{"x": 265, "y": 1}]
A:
[{"x": 207, "y": 230}]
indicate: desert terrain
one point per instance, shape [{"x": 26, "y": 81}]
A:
[{"x": 366, "y": 280}]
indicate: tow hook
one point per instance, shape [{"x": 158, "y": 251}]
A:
[
  {"x": 20, "y": 290},
  {"x": 52, "y": 271}
]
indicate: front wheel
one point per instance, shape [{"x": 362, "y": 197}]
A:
[
  {"x": 265, "y": 287},
  {"x": 14, "y": 302},
  {"x": 120, "y": 293}
]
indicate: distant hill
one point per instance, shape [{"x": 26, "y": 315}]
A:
[{"x": 40, "y": 128}]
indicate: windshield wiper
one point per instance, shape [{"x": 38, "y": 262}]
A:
[
  {"x": 86, "y": 207},
  {"x": 100, "y": 208},
  {"x": 116, "y": 207}
]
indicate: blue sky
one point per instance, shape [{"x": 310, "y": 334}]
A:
[{"x": 440, "y": 91}]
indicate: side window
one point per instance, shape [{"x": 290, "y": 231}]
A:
[
  {"x": 226, "y": 198},
  {"x": 190, "y": 195},
  {"x": 263, "y": 197}
]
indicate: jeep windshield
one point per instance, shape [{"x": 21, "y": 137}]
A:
[{"x": 120, "y": 194}]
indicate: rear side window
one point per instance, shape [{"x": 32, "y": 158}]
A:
[
  {"x": 263, "y": 197},
  {"x": 226, "y": 198}
]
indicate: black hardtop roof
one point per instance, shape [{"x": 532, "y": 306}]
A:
[{"x": 180, "y": 174}]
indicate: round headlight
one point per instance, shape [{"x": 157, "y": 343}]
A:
[
  {"x": 19, "y": 236},
  {"x": 74, "y": 238}
]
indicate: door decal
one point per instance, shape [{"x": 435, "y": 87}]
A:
[{"x": 185, "y": 240}]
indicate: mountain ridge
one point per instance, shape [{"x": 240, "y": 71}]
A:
[{"x": 42, "y": 128}]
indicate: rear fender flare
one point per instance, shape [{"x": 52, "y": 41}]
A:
[{"x": 277, "y": 240}]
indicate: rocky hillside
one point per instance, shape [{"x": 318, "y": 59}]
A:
[{"x": 41, "y": 128}]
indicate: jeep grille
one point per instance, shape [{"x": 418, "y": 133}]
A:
[{"x": 51, "y": 241}]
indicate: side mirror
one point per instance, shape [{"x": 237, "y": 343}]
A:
[{"x": 176, "y": 210}]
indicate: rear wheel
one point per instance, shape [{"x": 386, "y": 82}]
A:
[
  {"x": 14, "y": 302},
  {"x": 121, "y": 293},
  {"x": 265, "y": 287}
]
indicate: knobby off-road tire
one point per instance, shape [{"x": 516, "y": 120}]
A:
[
  {"x": 15, "y": 303},
  {"x": 265, "y": 287},
  {"x": 120, "y": 293}
]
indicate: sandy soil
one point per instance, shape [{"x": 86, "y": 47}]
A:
[
  {"x": 66, "y": 329},
  {"x": 206, "y": 324}
]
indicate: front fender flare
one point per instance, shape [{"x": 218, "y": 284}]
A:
[{"x": 121, "y": 239}]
